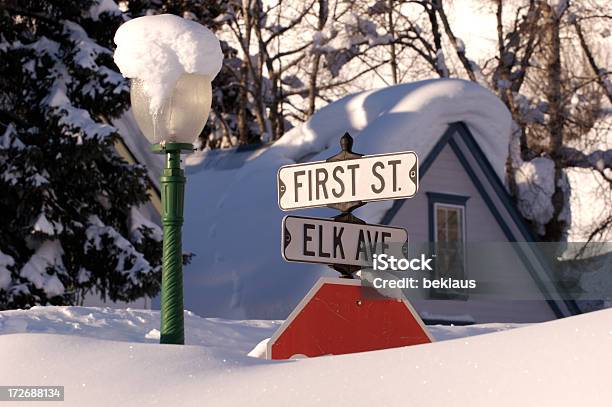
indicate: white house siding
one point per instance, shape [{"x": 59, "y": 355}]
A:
[{"x": 447, "y": 175}]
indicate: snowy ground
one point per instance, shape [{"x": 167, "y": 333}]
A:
[
  {"x": 235, "y": 337},
  {"x": 108, "y": 357},
  {"x": 131, "y": 325}
]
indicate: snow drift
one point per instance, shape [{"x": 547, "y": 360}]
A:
[
  {"x": 238, "y": 337},
  {"x": 233, "y": 221},
  {"x": 559, "y": 363}
]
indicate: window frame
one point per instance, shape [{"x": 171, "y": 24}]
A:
[
  {"x": 435, "y": 201},
  {"x": 461, "y": 208}
]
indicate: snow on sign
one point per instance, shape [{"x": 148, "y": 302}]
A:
[
  {"x": 368, "y": 178},
  {"x": 315, "y": 240}
]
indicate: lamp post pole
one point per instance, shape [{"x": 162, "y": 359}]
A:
[
  {"x": 172, "y": 198},
  {"x": 171, "y": 113}
]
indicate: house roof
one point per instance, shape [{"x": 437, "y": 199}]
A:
[{"x": 409, "y": 116}]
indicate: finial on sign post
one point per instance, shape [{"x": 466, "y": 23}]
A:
[
  {"x": 346, "y": 143},
  {"x": 346, "y": 149},
  {"x": 346, "y": 153}
]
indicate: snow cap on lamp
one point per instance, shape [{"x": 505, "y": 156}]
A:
[{"x": 171, "y": 62}]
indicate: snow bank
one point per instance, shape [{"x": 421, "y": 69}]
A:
[
  {"x": 559, "y": 363},
  {"x": 159, "y": 49},
  {"x": 136, "y": 326},
  {"x": 238, "y": 337},
  {"x": 233, "y": 222}
]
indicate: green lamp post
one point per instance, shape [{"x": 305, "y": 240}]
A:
[{"x": 172, "y": 131}]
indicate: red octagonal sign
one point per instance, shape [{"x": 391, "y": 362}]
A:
[{"x": 339, "y": 316}]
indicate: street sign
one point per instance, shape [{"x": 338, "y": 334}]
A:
[
  {"x": 315, "y": 240},
  {"x": 339, "y": 316},
  {"x": 368, "y": 178}
]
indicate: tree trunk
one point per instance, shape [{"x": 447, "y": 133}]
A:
[
  {"x": 312, "y": 78},
  {"x": 243, "y": 133},
  {"x": 393, "y": 60},
  {"x": 437, "y": 37},
  {"x": 551, "y": 44}
]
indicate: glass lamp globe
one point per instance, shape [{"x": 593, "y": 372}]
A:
[{"x": 182, "y": 115}]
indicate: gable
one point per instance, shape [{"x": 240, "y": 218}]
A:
[
  {"x": 447, "y": 176},
  {"x": 457, "y": 166}
]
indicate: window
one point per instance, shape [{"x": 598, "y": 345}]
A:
[{"x": 447, "y": 233}]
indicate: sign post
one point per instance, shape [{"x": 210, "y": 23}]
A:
[
  {"x": 345, "y": 182},
  {"x": 337, "y": 316}
]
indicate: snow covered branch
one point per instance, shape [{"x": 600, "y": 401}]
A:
[{"x": 598, "y": 160}]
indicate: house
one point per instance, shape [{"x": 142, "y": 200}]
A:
[{"x": 460, "y": 132}]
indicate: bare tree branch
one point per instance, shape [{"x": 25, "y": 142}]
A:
[
  {"x": 292, "y": 24},
  {"x": 459, "y": 48},
  {"x": 304, "y": 92},
  {"x": 599, "y": 72}
]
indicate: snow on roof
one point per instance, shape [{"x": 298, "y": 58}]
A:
[
  {"x": 233, "y": 223},
  {"x": 407, "y": 116}
]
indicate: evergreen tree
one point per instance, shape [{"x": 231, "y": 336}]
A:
[{"x": 68, "y": 218}]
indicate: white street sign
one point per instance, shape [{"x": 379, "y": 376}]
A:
[
  {"x": 314, "y": 240},
  {"x": 369, "y": 178}
]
